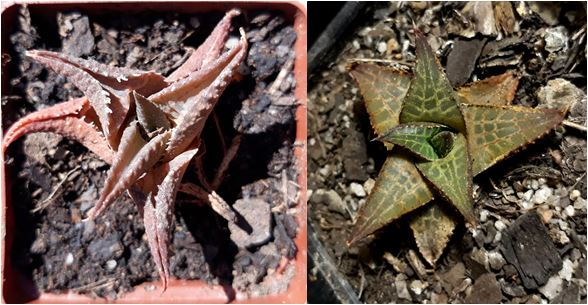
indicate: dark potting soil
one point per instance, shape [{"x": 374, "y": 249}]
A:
[{"x": 55, "y": 181}]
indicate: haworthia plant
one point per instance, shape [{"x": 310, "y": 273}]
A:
[
  {"x": 146, "y": 126},
  {"x": 438, "y": 139}
]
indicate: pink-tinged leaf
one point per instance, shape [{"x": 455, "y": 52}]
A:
[
  {"x": 208, "y": 51},
  {"x": 172, "y": 99},
  {"x": 399, "y": 189},
  {"x": 117, "y": 78},
  {"x": 64, "y": 119},
  {"x": 164, "y": 210},
  {"x": 111, "y": 112},
  {"x": 198, "y": 108},
  {"x": 127, "y": 173},
  {"x": 150, "y": 222}
]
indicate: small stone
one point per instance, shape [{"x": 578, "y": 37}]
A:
[
  {"x": 534, "y": 184},
  {"x": 556, "y": 39},
  {"x": 546, "y": 215},
  {"x": 398, "y": 265},
  {"x": 552, "y": 288},
  {"x": 560, "y": 93},
  {"x": 257, "y": 223},
  {"x": 496, "y": 260},
  {"x": 111, "y": 265},
  {"x": 485, "y": 290},
  {"x": 499, "y": 225},
  {"x": 402, "y": 289},
  {"x": 453, "y": 277},
  {"x": 527, "y": 205},
  {"x": 527, "y": 195},
  {"x": 541, "y": 195},
  {"x": 575, "y": 254},
  {"x": 417, "y": 287},
  {"x": 512, "y": 289},
  {"x": 382, "y": 47},
  {"x": 393, "y": 45},
  {"x": 484, "y": 215},
  {"x": 569, "y": 211},
  {"x": 329, "y": 198},
  {"x": 580, "y": 204},
  {"x": 575, "y": 194},
  {"x": 368, "y": 185},
  {"x": 69, "y": 259},
  {"x": 357, "y": 189}
]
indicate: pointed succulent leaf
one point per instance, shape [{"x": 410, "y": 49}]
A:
[
  {"x": 430, "y": 97},
  {"x": 65, "y": 119},
  {"x": 131, "y": 144},
  {"x": 149, "y": 115},
  {"x": 150, "y": 222},
  {"x": 117, "y": 78},
  {"x": 209, "y": 50},
  {"x": 494, "y": 132},
  {"x": 159, "y": 212},
  {"x": 111, "y": 112},
  {"x": 495, "y": 90},
  {"x": 383, "y": 90},
  {"x": 173, "y": 99},
  {"x": 399, "y": 189},
  {"x": 198, "y": 108},
  {"x": 452, "y": 177},
  {"x": 432, "y": 227},
  {"x": 142, "y": 161},
  {"x": 417, "y": 137}
]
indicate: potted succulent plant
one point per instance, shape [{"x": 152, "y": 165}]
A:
[{"x": 153, "y": 127}]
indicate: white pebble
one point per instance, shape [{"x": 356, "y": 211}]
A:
[
  {"x": 527, "y": 195},
  {"x": 527, "y": 205},
  {"x": 499, "y": 225},
  {"x": 357, "y": 189},
  {"x": 484, "y": 215},
  {"x": 417, "y": 287},
  {"x": 111, "y": 264},
  {"x": 575, "y": 194},
  {"x": 368, "y": 185},
  {"x": 69, "y": 259},
  {"x": 382, "y": 47},
  {"x": 580, "y": 204},
  {"x": 542, "y": 194},
  {"x": 569, "y": 210}
]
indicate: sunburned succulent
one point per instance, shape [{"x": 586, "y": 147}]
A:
[
  {"x": 438, "y": 139},
  {"x": 146, "y": 126}
]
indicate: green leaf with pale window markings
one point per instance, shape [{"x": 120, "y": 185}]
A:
[
  {"x": 494, "y": 132},
  {"x": 430, "y": 97},
  {"x": 432, "y": 227},
  {"x": 399, "y": 189},
  {"x": 452, "y": 177},
  {"x": 383, "y": 90},
  {"x": 450, "y": 137},
  {"x": 419, "y": 138}
]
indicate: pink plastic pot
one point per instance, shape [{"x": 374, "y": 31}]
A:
[{"x": 17, "y": 289}]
